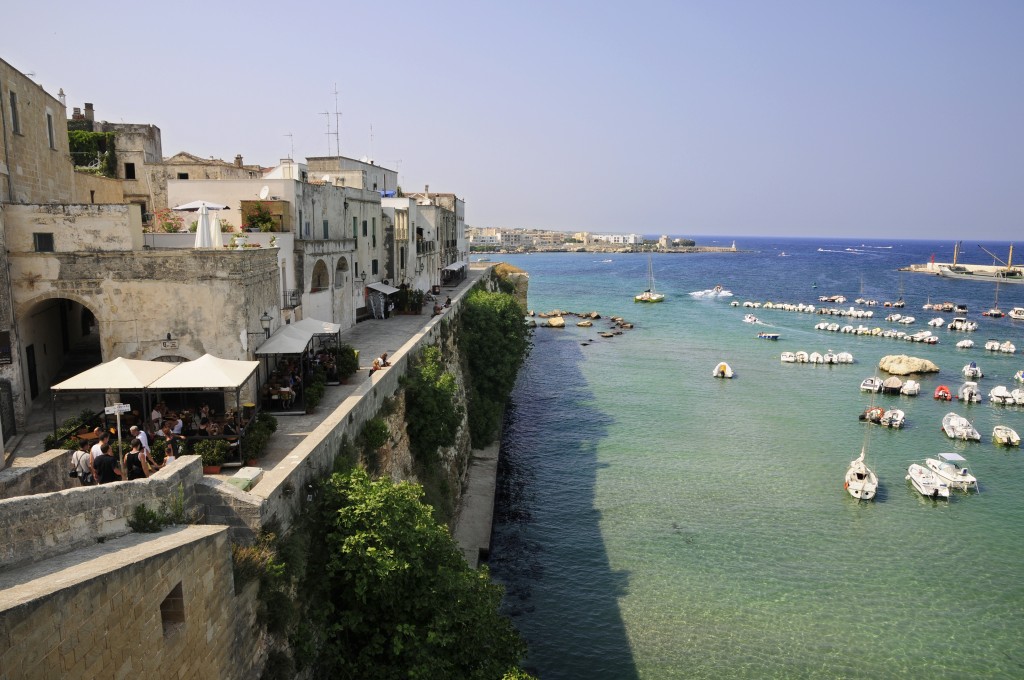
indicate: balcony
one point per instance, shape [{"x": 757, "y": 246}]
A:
[{"x": 292, "y": 298}]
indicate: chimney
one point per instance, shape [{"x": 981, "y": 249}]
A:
[
  {"x": 238, "y": 160},
  {"x": 90, "y": 115},
  {"x": 76, "y": 114},
  {"x": 426, "y": 188}
]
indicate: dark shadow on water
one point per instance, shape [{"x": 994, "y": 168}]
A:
[{"x": 546, "y": 546}]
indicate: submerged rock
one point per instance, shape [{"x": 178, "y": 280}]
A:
[{"x": 902, "y": 364}]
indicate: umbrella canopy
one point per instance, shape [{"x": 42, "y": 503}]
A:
[
  {"x": 196, "y": 205},
  {"x": 216, "y": 241},
  {"x": 203, "y": 229}
]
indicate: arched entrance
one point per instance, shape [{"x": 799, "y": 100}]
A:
[{"x": 59, "y": 338}]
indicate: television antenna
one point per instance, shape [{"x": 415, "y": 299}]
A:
[{"x": 291, "y": 141}]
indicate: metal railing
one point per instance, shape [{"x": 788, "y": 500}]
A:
[{"x": 292, "y": 298}]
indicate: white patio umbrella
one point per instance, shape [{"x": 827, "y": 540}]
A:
[
  {"x": 203, "y": 229},
  {"x": 196, "y": 205},
  {"x": 216, "y": 241}
]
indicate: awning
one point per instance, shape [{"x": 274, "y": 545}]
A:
[
  {"x": 289, "y": 339},
  {"x": 206, "y": 372},
  {"x": 455, "y": 266},
  {"x": 382, "y": 288},
  {"x": 317, "y": 327},
  {"x": 196, "y": 205},
  {"x": 118, "y": 374}
]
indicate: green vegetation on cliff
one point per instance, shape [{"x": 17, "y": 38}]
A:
[
  {"x": 387, "y": 593},
  {"x": 495, "y": 341},
  {"x": 432, "y": 411}
]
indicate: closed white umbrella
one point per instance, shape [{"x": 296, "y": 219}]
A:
[
  {"x": 215, "y": 238},
  {"x": 203, "y": 229},
  {"x": 196, "y": 205}
]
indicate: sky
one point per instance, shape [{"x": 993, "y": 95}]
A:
[{"x": 781, "y": 118}]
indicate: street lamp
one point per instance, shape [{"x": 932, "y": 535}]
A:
[
  {"x": 265, "y": 323},
  {"x": 362, "y": 276}
]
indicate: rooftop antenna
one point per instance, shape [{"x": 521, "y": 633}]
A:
[
  {"x": 371, "y": 141},
  {"x": 291, "y": 142},
  {"x": 337, "y": 121},
  {"x": 327, "y": 115}
]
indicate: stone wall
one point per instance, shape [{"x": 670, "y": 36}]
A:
[
  {"x": 148, "y": 606},
  {"x": 44, "y": 473},
  {"x": 38, "y": 527}
]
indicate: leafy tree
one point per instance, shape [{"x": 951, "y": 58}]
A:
[
  {"x": 390, "y": 595},
  {"x": 495, "y": 342},
  {"x": 432, "y": 414}
]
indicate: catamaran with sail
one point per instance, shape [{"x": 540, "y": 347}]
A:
[{"x": 651, "y": 294}]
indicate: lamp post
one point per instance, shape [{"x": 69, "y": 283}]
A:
[
  {"x": 265, "y": 323},
  {"x": 362, "y": 277}
]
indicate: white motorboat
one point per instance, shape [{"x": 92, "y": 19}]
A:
[
  {"x": 1007, "y": 347},
  {"x": 750, "y": 318},
  {"x": 717, "y": 291},
  {"x": 830, "y": 357},
  {"x": 937, "y": 322},
  {"x": 844, "y": 358},
  {"x": 894, "y": 418},
  {"x": 958, "y": 427},
  {"x": 962, "y": 324},
  {"x": 816, "y": 358},
  {"x": 906, "y": 320},
  {"x": 1005, "y": 435},
  {"x": 1018, "y": 396},
  {"x": 1019, "y": 375},
  {"x": 969, "y": 393},
  {"x": 992, "y": 345},
  {"x": 1017, "y": 313},
  {"x": 952, "y": 469},
  {"x": 911, "y": 388},
  {"x": 871, "y": 384},
  {"x": 860, "y": 482},
  {"x": 788, "y": 358},
  {"x": 972, "y": 370},
  {"x": 965, "y": 344},
  {"x": 722, "y": 370},
  {"x": 1000, "y": 395},
  {"x": 802, "y": 357},
  {"x": 927, "y": 482}
]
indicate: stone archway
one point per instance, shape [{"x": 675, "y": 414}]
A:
[{"x": 321, "y": 279}]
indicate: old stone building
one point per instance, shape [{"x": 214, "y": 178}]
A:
[{"x": 75, "y": 279}]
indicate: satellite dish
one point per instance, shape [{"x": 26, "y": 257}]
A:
[{"x": 264, "y": 192}]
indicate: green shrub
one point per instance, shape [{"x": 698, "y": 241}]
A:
[
  {"x": 212, "y": 451},
  {"x": 374, "y": 435},
  {"x": 145, "y": 521},
  {"x": 432, "y": 413},
  {"x": 346, "y": 361},
  {"x": 64, "y": 437}
]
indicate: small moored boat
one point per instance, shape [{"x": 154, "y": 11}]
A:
[
  {"x": 788, "y": 358},
  {"x": 722, "y": 370},
  {"x": 927, "y": 482},
  {"x": 957, "y": 427},
  {"x": 969, "y": 393},
  {"x": 1005, "y": 435},
  {"x": 871, "y": 384},
  {"x": 768, "y": 336},
  {"x": 1000, "y": 395},
  {"x": 860, "y": 481},
  {"x": 894, "y": 418},
  {"x": 942, "y": 392},
  {"x": 872, "y": 414},
  {"x": 911, "y": 388},
  {"x": 952, "y": 469},
  {"x": 972, "y": 370}
]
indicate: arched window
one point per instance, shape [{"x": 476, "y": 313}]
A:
[{"x": 341, "y": 273}]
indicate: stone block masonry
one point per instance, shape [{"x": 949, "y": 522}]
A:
[{"x": 147, "y": 606}]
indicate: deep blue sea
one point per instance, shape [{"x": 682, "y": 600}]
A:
[{"x": 654, "y": 522}]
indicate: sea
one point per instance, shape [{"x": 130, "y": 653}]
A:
[{"x": 655, "y": 522}]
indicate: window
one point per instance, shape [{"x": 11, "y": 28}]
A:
[
  {"x": 43, "y": 243},
  {"x": 49, "y": 130},
  {"x": 182, "y": 175},
  {"x": 373, "y": 267},
  {"x": 15, "y": 119},
  {"x": 401, "y": 257},
  {"x": 374, "y": 243},
  {"x": 325, "y": 229},
  {"x": 364, "y": 227},
  {"x": 129, "y": 170},
  {"x": 355, "y": 228},
  {"x": 172, "y": 609}
]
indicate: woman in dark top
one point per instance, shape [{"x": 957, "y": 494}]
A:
[{"x": 135, "y": 464}]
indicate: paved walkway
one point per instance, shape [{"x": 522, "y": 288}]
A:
[{"x": 371, "y": 338}]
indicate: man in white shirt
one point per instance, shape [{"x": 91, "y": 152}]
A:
[{"x": 144, "y": 438}]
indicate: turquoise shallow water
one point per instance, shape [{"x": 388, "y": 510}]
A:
[{"x": 654, "y": 522}]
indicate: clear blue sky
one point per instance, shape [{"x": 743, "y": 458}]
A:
[{"x": 788, "y": 118}]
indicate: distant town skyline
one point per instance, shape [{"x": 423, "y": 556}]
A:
[{"x": 846, "y": 119}]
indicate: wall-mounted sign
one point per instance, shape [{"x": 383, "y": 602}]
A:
[{"x": 169, "y": 344}]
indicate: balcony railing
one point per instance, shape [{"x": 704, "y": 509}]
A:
[{"x": 292, "y": 299}]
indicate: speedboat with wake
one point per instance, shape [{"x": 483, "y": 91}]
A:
[
  {"x": 717, "y": 291},
  {"x": 927, "y": 482}
]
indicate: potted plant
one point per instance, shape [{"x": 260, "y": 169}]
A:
[
  {"x": 416, "y": 298},
  {"x": 212, "y": 451},
  {"x": 346, "y": 361}
]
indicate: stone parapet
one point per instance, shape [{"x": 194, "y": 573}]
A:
[
  {"x": 43, "y": 473},
  {"x": 41, "y": 526}
]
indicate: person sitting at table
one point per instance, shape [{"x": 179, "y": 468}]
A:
[
  {"x": 204, "y": 411},
  {"x": 204, "y": 428},
  {"x": 178, "y": 425},
  {"x": 213, "y": 429},
  {"x": 229, "y": 429},
  {"x": 156, "y": 416}
]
